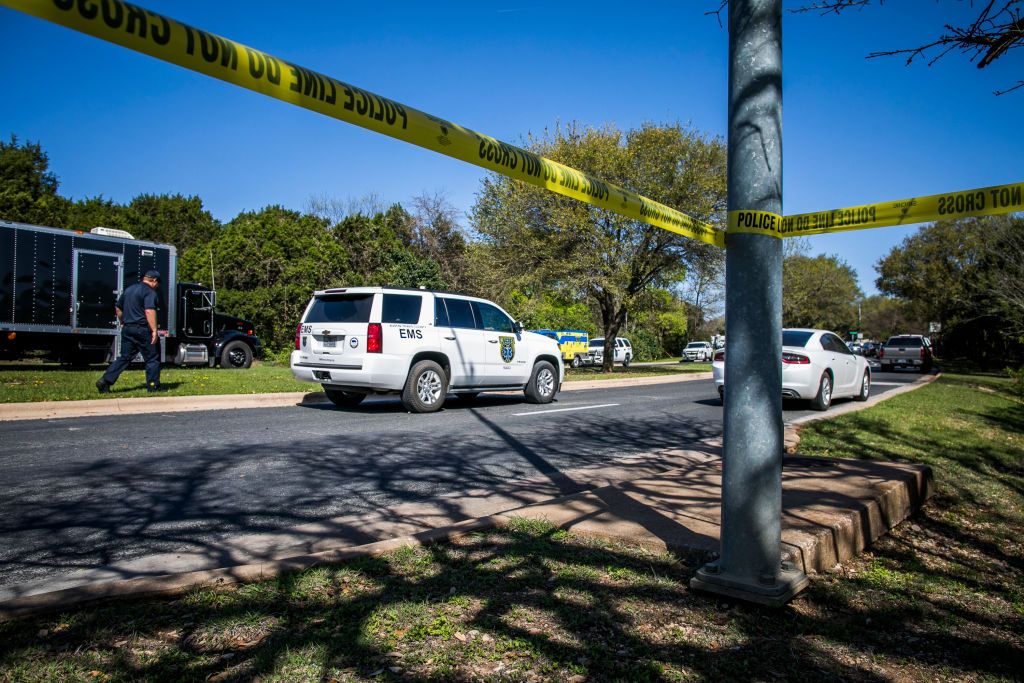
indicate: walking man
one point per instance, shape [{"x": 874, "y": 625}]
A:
[{"x": 136, "y": 309}]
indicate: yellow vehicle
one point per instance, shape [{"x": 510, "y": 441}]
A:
[{"x": 572, "y": 343}]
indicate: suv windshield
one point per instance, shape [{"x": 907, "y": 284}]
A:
[
  {"x": 340, "y": 308},
  {"x": 696, "y": 345},
  {"x": 597, "y": 343}
]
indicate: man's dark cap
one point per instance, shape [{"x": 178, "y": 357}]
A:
[{"x": 155, "y": 274}]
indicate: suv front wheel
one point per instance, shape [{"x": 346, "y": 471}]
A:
[
  {"x": 543, "y": 383},
  {"x": 425, "y": 388}
]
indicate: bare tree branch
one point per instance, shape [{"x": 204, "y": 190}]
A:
[
  {"x": 718, "y": 12},
  {"x": 997, "y": 29}
]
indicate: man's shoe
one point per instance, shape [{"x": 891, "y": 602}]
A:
[
  {"x": 102, "y": 386},
  {"x": 155, "y": 388}
]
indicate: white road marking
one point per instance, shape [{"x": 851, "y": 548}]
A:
[
  {"x": 888, "y": 384},
  {"x": 564, "y": 410}
]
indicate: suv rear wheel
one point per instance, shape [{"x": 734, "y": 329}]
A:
[
  {"x": 543, "y": 383},
  {"x": 425, "y": 388},
  {"x": 344, "y": 399}
]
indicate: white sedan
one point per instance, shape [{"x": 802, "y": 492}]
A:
[{"x": 816, "y": 365}]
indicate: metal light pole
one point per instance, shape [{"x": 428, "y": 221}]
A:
[{"x": 750, "y": 566}]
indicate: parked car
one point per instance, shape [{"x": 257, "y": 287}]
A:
[
  {"x": 623, "y": 350},
  {"x": 816, "y": 366},
  {"x": 870, "y": 349},
  {"x": 856, "y": 347},
  {"x": 421, "y": 345},
  {"x": 697, "y": 351},
  {"x": 907, "y": 351}
]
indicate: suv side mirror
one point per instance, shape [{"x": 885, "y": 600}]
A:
[{"x": 517, "y": 326}]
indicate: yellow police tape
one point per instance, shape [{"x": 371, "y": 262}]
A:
[
  {"x": 158, "y": 36},
  {"x": 755, "y": 222},
  {"x": 984, "y": 201}
]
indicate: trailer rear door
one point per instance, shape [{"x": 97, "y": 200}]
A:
[{"x": 97, "y": 286}]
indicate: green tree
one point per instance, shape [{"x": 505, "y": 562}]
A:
[
  {"x": 1003, "y": 250},
  {"x": 92, "y": 212},
  {"x": 549, "y": 310},
  {"x": 819, "y": 292},
  {"x": 960, "y": 274},
  {"x": 537, "y": 241},
  {"x": 387, "y": 253},
  {"x": 664, "y": 321},
  {"x": 266, "y": 265},
  {"x": 28, "y": 189},
  {"x": 172, "y": 219},
  {"x": 438, "y": 237},
  {"x": 882, "y": 317}
]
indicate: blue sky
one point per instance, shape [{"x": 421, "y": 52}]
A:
[{"x": 117, "y": 123}]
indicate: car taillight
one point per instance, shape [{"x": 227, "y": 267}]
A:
[
  {"x": 298, "y": 331},
  {"x": 881, "y": 352},
  {"x": 795, "y": 359},
  {"x": 922, "y": 352},
  {"x": 720, "y": 356},
  {"x": 374, "y": 338}
]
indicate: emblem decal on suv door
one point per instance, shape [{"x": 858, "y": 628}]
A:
[{"x": 508, "y": 348}]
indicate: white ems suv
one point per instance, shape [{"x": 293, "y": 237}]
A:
[{"x": 421, "y": 345}]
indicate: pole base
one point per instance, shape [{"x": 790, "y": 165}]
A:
[{"x": 774, "y": 593}]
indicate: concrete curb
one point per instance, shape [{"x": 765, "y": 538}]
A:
[{"x": 53, "y": 410}]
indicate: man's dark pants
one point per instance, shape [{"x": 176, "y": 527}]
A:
[{"x": 135, "y": 339}]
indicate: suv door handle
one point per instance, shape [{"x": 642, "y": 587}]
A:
[
  {"x": 450, "y": 338},
  {"x": 493, "y": 341}
]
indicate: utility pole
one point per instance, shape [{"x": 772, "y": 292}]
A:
[{"x": 751, "y": 565}]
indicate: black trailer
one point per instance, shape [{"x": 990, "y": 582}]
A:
[{"x": 58, "y": 289}]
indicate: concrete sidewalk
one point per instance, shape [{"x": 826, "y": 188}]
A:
[{"x": 832, "y": 509}]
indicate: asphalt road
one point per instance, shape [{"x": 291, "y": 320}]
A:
[{"x": 83, "y": 493}]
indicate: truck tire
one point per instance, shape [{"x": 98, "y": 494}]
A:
[
  {"x": 543, "y": 383},
  {"x": 236, "y": 355},
  {"x": 425, "y": 388},
  {"x": 626, "y": 361},
  {"x": 344, "y": 399},
  {"x": 886, "y": 367},
  {"x": 575, "y": 361},
  {"x": 824, "y": 398}
]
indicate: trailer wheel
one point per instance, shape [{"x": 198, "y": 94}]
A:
[{"x": 236, "y": 355}]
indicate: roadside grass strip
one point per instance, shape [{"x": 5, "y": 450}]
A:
[
  {"x": 939, "y": 599},
  {"x": 31, "y": 381}
]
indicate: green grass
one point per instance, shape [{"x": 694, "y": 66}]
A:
[
  {"x": 35, "y": 380},
  {"x": 941, "y": 598},
  {"x": 619, "y": 372}
]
